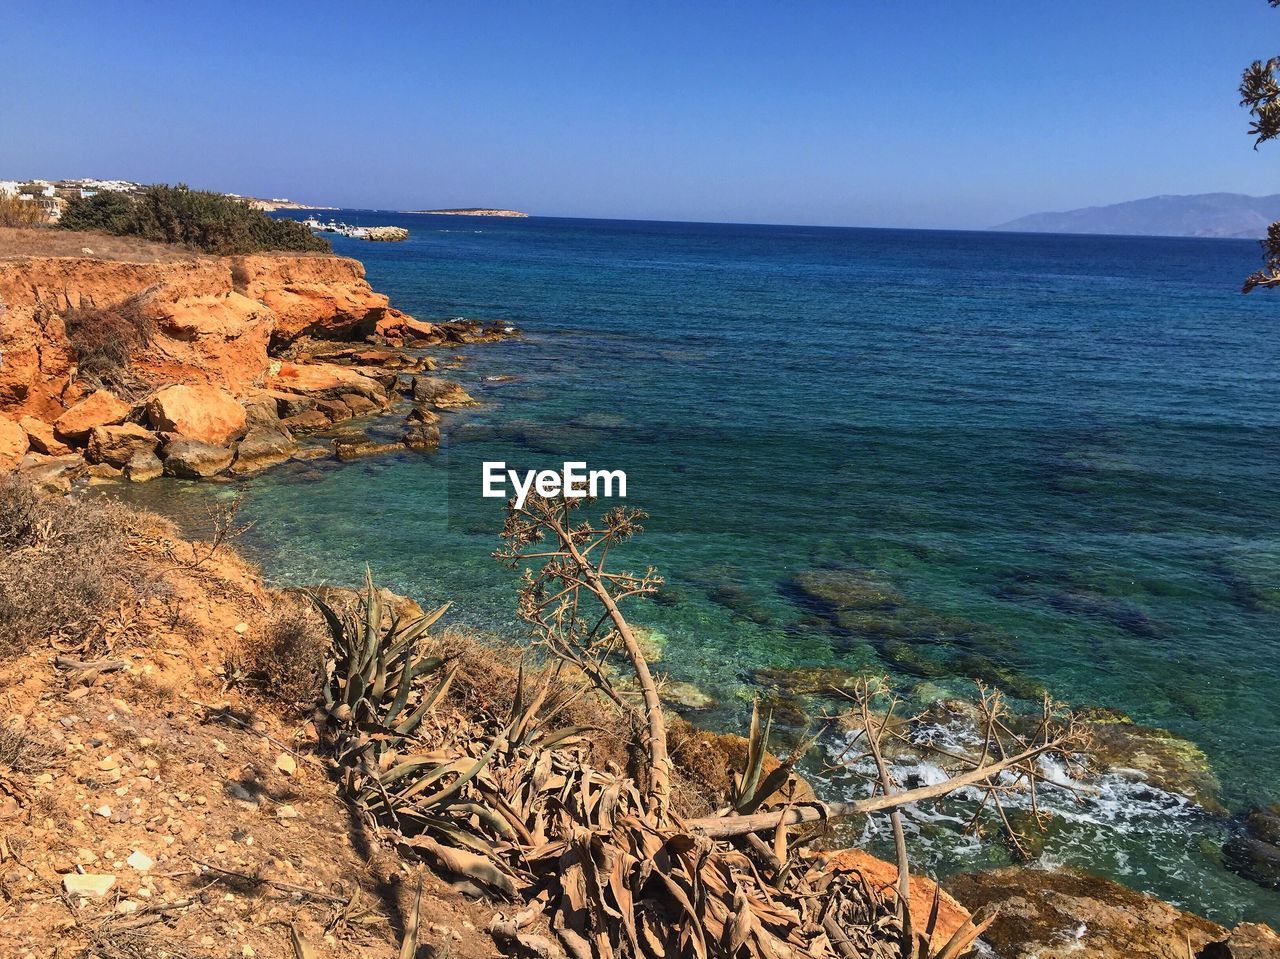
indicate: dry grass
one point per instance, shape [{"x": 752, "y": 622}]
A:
[
  {"x": 105, "y": 339},
  {"x": 286, "y": 662},
  {"x": 22, "y": 753},
  {"x": 64, "y": 566},
  {"x": 48, "y": 241},
  {"x": 21, "y": 213}
]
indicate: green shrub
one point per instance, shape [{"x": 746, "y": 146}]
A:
[
  {"x": 105, "y": 212},
  {"x": 210, "y": 222}
]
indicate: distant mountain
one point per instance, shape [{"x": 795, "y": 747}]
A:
[{"x": 1202, "y": 214}]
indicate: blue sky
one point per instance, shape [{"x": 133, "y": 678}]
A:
[{"x": 928, "y": 114}]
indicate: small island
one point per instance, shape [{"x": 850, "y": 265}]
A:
[{"x": 472, "y": 211}]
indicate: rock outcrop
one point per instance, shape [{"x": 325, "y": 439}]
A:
[
  {"x": 212, "y": 318},
  {"x": 321, "y": 296},
  {"x": 1063, "y": 913}
]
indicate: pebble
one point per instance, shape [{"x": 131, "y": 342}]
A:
[
  {"x": 286, "y": 764},
  {"x": 88, "y": 885}
]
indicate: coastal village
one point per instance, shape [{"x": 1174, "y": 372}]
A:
[{"x": 52, "y": 196}]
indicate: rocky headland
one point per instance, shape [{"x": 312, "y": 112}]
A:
[{"x": 200, "y": 366}]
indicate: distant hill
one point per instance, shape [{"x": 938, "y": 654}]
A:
[{"x": 1202, "y": 214}]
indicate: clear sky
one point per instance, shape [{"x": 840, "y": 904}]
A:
[{"x": 962, "y": 113}]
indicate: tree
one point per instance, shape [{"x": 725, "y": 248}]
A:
[
  {"x": 106, "y": 211},
  {"x": 1260, "y": 92}
]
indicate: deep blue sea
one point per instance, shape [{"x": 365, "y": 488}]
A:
[{"x": 1060, "y": 451}]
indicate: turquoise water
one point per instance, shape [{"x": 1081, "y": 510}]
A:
[{"x": 1060, "y": 452}]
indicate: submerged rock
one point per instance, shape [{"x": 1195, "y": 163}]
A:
[
  {"x": 440, "y": 393},
  {"x": 357, "y": 446},
  {"x": 1166, "y": 761},
  {"x": 1065, "y": 914},
  {"x": 844, "y": 589},
  {"x": 686, "y": 696},
  {"x": 1254, "y": 854}
]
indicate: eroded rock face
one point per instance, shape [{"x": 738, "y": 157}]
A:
[
  {"x": 213, "y": 318},
  {"x": 1064, "y": 914},
  {"x": 219, "y": 339},
  {"x": 97, "y": 409},
  {"x": 321, "y": 296},
  {"x": 202, "y": 412}
]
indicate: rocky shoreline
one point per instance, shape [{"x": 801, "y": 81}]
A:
[
  {"x": 240, "y": 356},
  {"x": 241, "y": 359}
]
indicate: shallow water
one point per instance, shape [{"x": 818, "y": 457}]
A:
[{"x": 1058, "y": 452}]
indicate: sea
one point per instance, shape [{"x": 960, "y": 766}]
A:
[{"x": 1056, "y": 455}]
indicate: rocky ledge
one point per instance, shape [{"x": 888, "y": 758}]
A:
[{"x": 207, "y": 366}]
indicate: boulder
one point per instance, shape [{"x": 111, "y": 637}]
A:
[
  {"x": 307, "y": 422},
  {"x": 117, "y": 445},
  {"x": 1056, "y": 914},
  {"x": 192, "y": 459},
  {"x": 358, "y": 446},
  {"x": 1254, "y": 853},
  {"x": 685, "y": 696},
  {"x": 422, "y": 436},
  {"x": 357, "y": 404},
  {"x": 291, "y": 404},
  {"x": 143, "y": 467},
  {"x": 262, "y": 448},
  {"x": 204, "y": 413},
  {"x": 397, "y": 325},
  {"x": 1249, "y": 940},
  {"x": 40, "y": 435},
  {"x": 54, "y": 473},
  {"x": 325, "y": 380},
  {"x": 883, "y": 876},
  {"x": 100, "y": 408},
  {"x": 13, "y": 443},
  {"x": 440, "y": 393},
  {"x": 336, "y": 410},
  {"x": 423, "y": 414}
]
